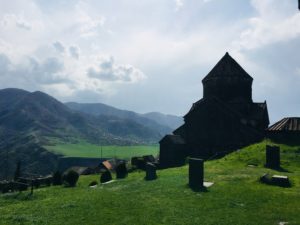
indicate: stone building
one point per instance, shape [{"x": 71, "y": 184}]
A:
[
  {"x": 225, "y": 119},
  {"x": 286, "y": 130}
]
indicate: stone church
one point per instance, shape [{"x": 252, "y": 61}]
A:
[{"x": 224, "y": 120}]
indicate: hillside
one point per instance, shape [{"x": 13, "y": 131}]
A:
[
  {"x": 31, "y": 120},
  {"x": 237, "y": 197},
  {"x": 154, "y": 120}
]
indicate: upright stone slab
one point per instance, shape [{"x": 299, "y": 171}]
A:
[
  {"x": 121, "y": 171},
  {"x": 105, "y": 177},
  {"x": 272, "y": 156},
  {"x": 196, "y": 173},
  {"x": 150, "y": 171}
]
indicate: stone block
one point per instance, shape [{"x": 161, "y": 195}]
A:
[{"x": 196, "y": 173}]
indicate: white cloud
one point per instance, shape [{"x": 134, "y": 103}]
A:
[
  {"x": 178, "y": 4},
  {"x": 271, "y": 25},
  {"x": 74, "y": 52},
  {"x": 108, "y": 70},
  {"x": 59, "y": 46}
]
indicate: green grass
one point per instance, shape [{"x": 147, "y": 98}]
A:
[
  {"x": 84, "y": 149},
  {"x": 237, "y": 197}
]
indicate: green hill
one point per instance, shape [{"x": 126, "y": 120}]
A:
[
  {"x": 31, "y": 120},
  {"x": 237, "y": 197}
]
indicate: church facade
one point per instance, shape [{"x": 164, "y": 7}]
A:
[{"x": 224, "y": 120}]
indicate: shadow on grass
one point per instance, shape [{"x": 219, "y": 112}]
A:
[{"x": 198, "y": 189}]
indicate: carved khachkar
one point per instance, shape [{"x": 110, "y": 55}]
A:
[
  {"x": 105, "y": 177},
  {"x": 150, "y": 171},
  {"x": 272, "y": 156},
  {"x": 121, "y": 171},
  {"x": 196, "y": 173}
]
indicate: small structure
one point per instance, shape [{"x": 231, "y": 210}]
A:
[
  {"x": 150, "y": 171},
  {"x": 121, "y": 171},
  {"x": 286, "y": 130},
  {"x": 172, "y": 151},
  {"x": 272, "y": 157},
  {"x": 105, "y": 177},
  {"x": 196, "y": 173}
]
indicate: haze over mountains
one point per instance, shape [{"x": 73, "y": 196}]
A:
[
  {"x": 31, "y": 120},
  {"x": 152, "y": 119}
]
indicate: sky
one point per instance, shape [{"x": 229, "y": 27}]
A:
[{"x": 150, "y": 55}]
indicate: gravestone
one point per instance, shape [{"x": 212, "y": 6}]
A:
[
  {"x": 150, "y": 171},
  {"x": 121, "y": 171},
  {"x": 282, "y": 181},
  {"x": 196, "y": 173},
  {"x": 272, "y": 156},
  {"x": 105, "y": 177},
  {"x": 134, "y": 161}
]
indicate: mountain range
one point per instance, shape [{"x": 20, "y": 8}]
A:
[{"x": 30, "y": 120}]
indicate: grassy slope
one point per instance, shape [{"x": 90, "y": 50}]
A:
[
  {"x": 84, "y": 149},
  {"x": 236, "y": 197}
]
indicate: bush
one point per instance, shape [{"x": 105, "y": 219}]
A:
[
  {"x": 71, "y": 178},
  {"x": 93, "y": 183},
  {"x": 57, "y": 178}
]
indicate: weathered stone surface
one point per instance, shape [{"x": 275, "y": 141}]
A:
[
  {"x": 121, "y": 171},
  {"x": 150, "y": 171},
  {"x": 105, "y": 177},
  {"x": 272, "y": 156},
  {"x": 196, "y": 173}
]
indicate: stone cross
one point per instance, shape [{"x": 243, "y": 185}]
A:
[
  {"x": 150, "y": 171},
  {"x": 272, "y": 156},
  {"x": 196, "y": 173},
  {"x": 121, "y": 171},
  {"x": 105, "y": 177}
]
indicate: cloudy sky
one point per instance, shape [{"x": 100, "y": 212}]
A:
[{"x": 149, "y": 55}]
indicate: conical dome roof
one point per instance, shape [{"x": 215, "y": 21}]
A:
[{"x": 227, "y": 67}]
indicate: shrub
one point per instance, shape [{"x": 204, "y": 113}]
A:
[
  {"x": 57, "y": 178},
  {"x": 71, "y": 178}
]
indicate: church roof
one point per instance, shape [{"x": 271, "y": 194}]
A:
[
  {"x": 227, "y": 67},
  {"x": 286, "y": 124},
  {"x": 222, "y": 105}
]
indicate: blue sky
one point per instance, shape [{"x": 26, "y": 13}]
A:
[{"x": 149, "y": 55}]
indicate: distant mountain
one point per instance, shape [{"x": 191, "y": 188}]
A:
[
  {"x": 167, "y": 120},
  {"x": 154, "y": 120},
  {"x": 30, "y": 120}
]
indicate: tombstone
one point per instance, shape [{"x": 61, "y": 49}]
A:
[
  {"x": 121, "y": 171},
  {"x": 134, "y": 161},
  {"x": 149, "y": 158},
  {"x": 141, "y": 164},
  {"x": 282, "y": 181},
  {"x": 196, "y": 173},
  {"x": 105, "y": 177},
  {"x": 150, "y": 171},
  {"x": 272, "y": 156}
]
